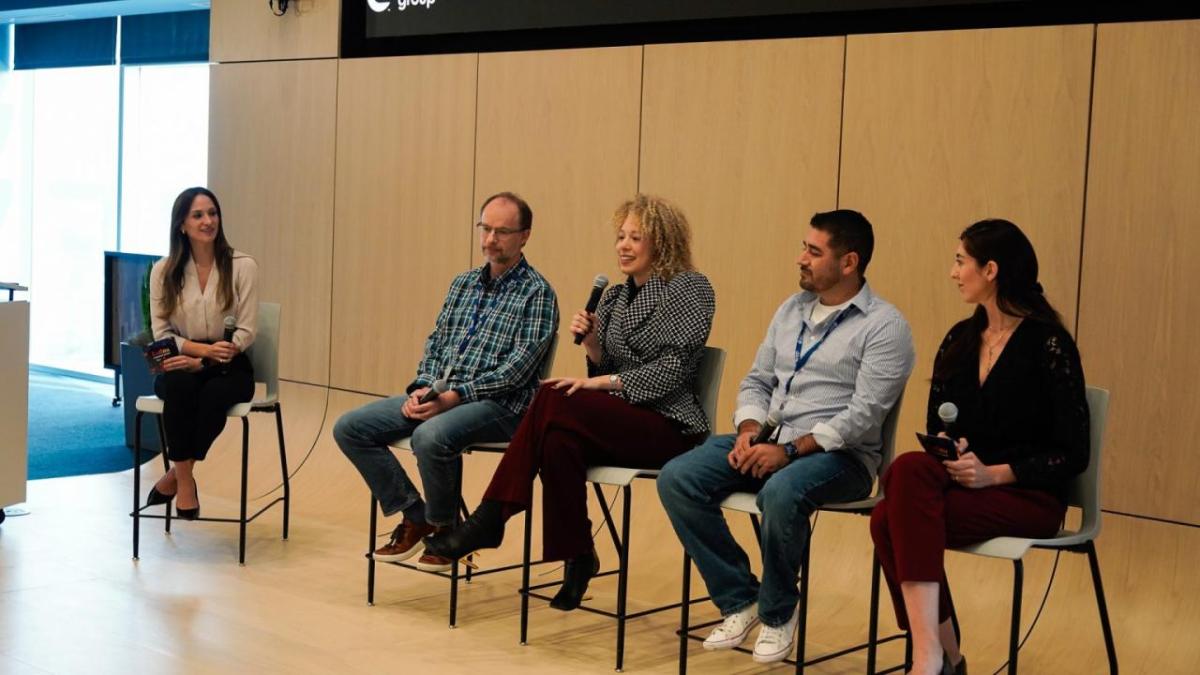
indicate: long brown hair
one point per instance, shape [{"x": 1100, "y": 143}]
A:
[
  {"x": 1018, "y": 292},
  {"x": 181, "y": 251}
]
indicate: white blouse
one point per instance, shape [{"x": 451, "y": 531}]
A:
[{"x": 198, "y": 315}]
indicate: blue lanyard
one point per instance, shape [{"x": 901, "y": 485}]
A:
[
  {"x": 482, "y": 305},
  {"x": 803, "y": 356}
]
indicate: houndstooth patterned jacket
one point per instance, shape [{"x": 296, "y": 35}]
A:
[{"x": 655, "y": 342}]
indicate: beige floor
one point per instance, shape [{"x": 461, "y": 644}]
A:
[{"x": 72, "y": 601}]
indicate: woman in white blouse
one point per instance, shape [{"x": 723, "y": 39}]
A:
[{"x": 192, "y": 292}]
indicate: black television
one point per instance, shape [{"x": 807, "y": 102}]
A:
[{"x": 126, "y": 301}]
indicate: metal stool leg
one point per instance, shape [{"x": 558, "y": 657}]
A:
[
  {"x": 137, "y": 479},
  {"x": 525, "y": 575},
  {"x": 371, "y": 552},
  {"x": 873, "y": 627},
  {"x": 1014, "y": 635},
  {"x": 685, "y": 612},
  {"x": 283, "y": 467},
  {"x": 802, "y": 610},
  {"x": 245, "y": 472},
  {"x": 1102, "y": 606},
  {"x": 623, "y": 576},
  {"x": 162, "y": 444}
]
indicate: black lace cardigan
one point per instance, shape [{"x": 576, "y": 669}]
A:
[{"x": 1030, "y": 413}]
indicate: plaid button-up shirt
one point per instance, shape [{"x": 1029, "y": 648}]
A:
[{"x": 492, "y": 335}]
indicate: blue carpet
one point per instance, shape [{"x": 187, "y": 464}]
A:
[{"x": 73, "y": 428}]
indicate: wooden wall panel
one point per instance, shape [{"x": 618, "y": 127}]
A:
[
  {"x": 270, "y": 150},
  {"x": 1137, "y": 322},
  {"x": 404, "y": 215},
  {"x": 561, "y": 129},
  {"x": 248, "y": 31},
  {"x": 744, "y": 137},
  {"x": 943, "y": 129}
]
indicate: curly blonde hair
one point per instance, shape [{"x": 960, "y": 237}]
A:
[{"x": 667, "y": 229}]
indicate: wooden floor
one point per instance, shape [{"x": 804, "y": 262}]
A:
[{"x": 73, "y": 601}]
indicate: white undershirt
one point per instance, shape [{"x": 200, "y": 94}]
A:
[{"x": 820, "y": 311}]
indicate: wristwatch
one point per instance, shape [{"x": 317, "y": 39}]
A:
[
  {"x": 790, "y": 451},
  {"x": 613, "y": 380}
]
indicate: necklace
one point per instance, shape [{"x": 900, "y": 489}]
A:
[{"x": 999, "y": 342}]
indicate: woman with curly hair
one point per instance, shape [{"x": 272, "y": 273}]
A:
[{"x": 638, "y": 407}]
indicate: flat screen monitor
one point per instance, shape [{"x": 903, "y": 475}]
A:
[{"x": 126, "y": 301}]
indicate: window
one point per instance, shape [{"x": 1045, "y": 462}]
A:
[
  {"x": 164, "y": 149},
  {"x": 60, "y": 157}
]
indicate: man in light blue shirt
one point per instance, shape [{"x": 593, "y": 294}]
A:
[{"x": 834, "y": 362}]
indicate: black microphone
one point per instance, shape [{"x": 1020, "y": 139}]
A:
[
  {"x": 768, "y": 428},
  {"x": 439, "y": 387},
  {"x": 598, "y": 286},
  {"x": 948, "y": 413},
  {"x": 230, "y": 329}
]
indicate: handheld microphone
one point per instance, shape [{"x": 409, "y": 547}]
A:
[
  {"x": 948, "y": 413},
  {"x": 768, "y": 428},
  {"x": 598, "y": 286},
  {"x": 230, "y": 329},
  {"x": 439, "y": 387}
]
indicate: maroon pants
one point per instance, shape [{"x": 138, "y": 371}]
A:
[
  {"x": 560, "y": 437},
  {"x": 925, "y": 512}
]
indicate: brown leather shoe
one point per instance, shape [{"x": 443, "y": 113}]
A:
[
  {"x": 405, "y": 542},
  {"x": 429, "y": 562}
]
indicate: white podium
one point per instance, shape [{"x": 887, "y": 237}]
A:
[{"x": 14, "y": 401}]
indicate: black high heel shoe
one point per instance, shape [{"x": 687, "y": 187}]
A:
[
  {"x": 155, "y": 497},
  {"x": 190, "y": 514},
  {"x": 576, "y": 575},
  {"x": 482, "y": 529}
]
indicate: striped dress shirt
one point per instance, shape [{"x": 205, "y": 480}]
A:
[{"x": 850, "y": 382}]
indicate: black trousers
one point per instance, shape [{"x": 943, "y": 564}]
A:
[{"x": 194, "y": 405}]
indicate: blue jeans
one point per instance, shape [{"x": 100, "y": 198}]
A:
[
  {"x": 692, "y": 487},
  {"x": 363, "y": 435}
]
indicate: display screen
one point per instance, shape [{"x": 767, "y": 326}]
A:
[{"x": 126, "y": 301}]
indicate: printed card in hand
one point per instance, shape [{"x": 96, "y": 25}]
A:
[{"x": 158, "y": 351}]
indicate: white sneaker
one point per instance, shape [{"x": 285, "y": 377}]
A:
[
  {"x": 733, "y": 630},
  {"x": 775, "y": 643}
]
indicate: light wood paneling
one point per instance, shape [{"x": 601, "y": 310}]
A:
[
  {"x": 944, "y": 129},
  {"x": 561, "y": 129},
  {"x": 1137, "y": 324},
  {"x": 270, "y": 150},
  {"x": 244, "y": 30},
  {"x": 744, "y": 137},
  {"x": 404, "y": 214}
]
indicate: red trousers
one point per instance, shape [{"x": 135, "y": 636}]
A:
[
  {"x": 925, "y": 512},
  {"x": 560, "y": 437}
]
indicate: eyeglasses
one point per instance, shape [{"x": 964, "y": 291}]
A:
[{"x": 485, "y": 230}]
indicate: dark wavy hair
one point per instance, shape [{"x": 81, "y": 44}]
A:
[
  {"x": 1018, "y": 292},
  {"x": 181, "y": 250}
]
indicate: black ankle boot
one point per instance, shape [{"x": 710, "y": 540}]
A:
[
  {"x": 576, "y": 575},
  {"x": 482, "y": 529}
]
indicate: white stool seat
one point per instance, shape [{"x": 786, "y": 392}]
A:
[
  {"x": 154, "y": 405},
  {"x": 617, "y": 475}
]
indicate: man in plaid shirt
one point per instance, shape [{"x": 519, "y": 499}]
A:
[{"x": 485, "y": 353}]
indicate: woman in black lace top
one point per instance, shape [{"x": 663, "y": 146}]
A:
[{"x": 1013, "y": 372}]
